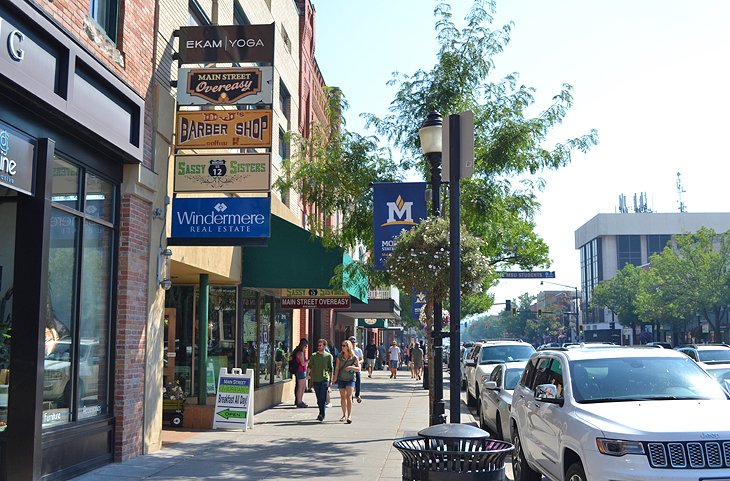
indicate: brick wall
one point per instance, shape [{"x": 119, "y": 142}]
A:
[
  {"x": 130, "y": 58},
  {"x": 134, "y": 259}
]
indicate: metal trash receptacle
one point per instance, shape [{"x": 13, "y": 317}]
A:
[{"x": 453, "y": 452}]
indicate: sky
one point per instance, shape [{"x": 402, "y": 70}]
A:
[{"x": 652, "y": 76}]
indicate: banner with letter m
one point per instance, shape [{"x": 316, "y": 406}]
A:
[{"x": 397, "y": 207}]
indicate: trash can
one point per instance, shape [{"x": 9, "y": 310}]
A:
[{"x": 453, "y": 452}]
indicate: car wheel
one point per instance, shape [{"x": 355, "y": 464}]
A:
[
  {"x": 520, "y": 469},
  {"x": 176, "y": 421},
  {"x": 482, "y": 421},
  {"x": 470, "y": 400},
  {"x": 500, "y": 434},
  {"x": 575, "y": 472}
]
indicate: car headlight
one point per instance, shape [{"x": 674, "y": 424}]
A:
[{"x": 619, "y": 447}]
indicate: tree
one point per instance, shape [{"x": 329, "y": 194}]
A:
[
  {"x": 696, "y": 275},
  {"x": 334, "y": 168},
  {"x": 619, "y": 294}
]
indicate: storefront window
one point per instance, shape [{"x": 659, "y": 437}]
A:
[
  {"x": 221, "y": 330},
  {"x": 249, "y": 331},
  {"x": 283, "y": 343},
  {"x": 266, "y": 351},
  {"x": 79, "y": 309},
  {"x": 7, "y": 261},
  {"x": 179, "y": 321}
]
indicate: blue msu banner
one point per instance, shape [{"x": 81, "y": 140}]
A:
[
  {"x": 221, "y": 218},
  {"x": 397, "y": 207}
]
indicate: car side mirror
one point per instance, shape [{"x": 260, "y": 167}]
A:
[
  {"x": 470, "y": 362},
  {"x": 491, "y": 385},
  {"x": 548, "y": 393}
]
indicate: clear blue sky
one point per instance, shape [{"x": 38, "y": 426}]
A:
[{"x": 652, "y": 76}]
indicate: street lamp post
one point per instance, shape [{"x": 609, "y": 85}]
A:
[
  {"x": 430, "y": 136},
  {"x": 577, "y": 303}
]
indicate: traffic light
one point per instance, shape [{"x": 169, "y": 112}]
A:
[
  {"x": 539, "y": 313},
  {"x": 507, "y": 305},
  {"x": 612, "y": 325},
  {"x": 514, "y": 311},
  {"x": 580, "y": 329}
]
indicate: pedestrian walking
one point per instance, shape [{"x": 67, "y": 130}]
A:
[
  {"x": 371, "y": 354},
  {"x": 299, "y": 354},
  {"x": 382, "y": 360},
  {"x": 394, "y": 359},
  {"x": 345, "y": 370},
  {"x": 359, "y": 355},
  {"x": 406, "y": 355},
  {"x": 320, "y": 371},
  {"x": 417, "y": 360}
]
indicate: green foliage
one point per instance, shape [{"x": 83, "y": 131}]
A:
[
  {"x": 691, "y": 279},
  {"x": 334, "y": 168}
]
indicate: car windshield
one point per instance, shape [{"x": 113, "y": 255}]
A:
[
  {"x": 500, "y": 354},
  {"x": 640, "y": 379},
  {"x": 714, "y": 354},
  {"x": 511, "y": 378}
]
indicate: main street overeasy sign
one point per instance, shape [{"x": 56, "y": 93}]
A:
[
  {"x": 203, "y": 86},
  {"x": 315, "y": 299}
]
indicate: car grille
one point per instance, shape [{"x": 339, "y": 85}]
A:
[{"x": 690, "y": 455}]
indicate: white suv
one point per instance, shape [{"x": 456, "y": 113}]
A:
[
  {"x": 629, "y": 414},
  {"x": 485, "y": 355}
]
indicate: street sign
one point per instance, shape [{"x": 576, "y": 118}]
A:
[
  {"x": 234, "y": 400},
  {"x": 466, "y": 142},
  {"x": 527, "y": 274}
]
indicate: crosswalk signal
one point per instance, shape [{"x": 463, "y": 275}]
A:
[{"x": 539, "y": 313}]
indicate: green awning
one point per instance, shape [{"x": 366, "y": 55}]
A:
[
  {"x": 373, "y": 323},
  {"x": 295, "y": 259}
]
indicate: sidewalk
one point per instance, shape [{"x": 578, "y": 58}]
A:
[{"x": 289, "y": 443}]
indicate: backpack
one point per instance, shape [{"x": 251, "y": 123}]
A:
[{"x": 293, "y": 364}]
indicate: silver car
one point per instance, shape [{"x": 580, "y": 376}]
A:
[{"x": 496, "y": 398}]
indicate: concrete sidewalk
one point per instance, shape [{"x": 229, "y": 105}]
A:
[{"x": 289, "y": 443}]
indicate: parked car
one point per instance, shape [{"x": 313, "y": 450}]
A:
[
  {"x": 496, "y": 398},
  {"x": 465, "y": 351},
  {"x": 663, "y": 345},
  {"x": 721, "y": 372},
  {"x": 549, "y": 345},
  {"x": 487, "y": 354},
  {"x": 57, "y": 371},
  {"x": 608, "y": 414},
  {"x": 707, "y": 353}
]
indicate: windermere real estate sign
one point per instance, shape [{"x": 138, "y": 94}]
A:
[{"x": 222, "y": 218}]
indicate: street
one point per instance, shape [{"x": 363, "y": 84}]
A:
[{"x": 289, "y": 443}]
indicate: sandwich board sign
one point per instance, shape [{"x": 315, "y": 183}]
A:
[{"x": 234, "y": 400}]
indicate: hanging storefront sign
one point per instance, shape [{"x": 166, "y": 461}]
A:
[
  {"x": 225, "y": 86},
  {"x": 418, "y": 300},
  {"x": 234, "y": 399},
  {"x": 226, "y": 44},
  {"x": 223, "y": 129},
  {"x": 397, "y": 207},
  {"x": 315, "y": 299},
  {"x": 223, "y": 173},
  {"x": 17, "y": 160},
  {"x": 219, "y": 221}
]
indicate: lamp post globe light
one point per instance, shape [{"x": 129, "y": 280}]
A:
[
  {"x": 577, "y": 304},
  {"x": 430, "y": 137}
]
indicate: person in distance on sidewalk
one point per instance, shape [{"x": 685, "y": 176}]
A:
[
  {"x": 359, "y": 355},
  {"x": 417, "y": 360},
  {"x": 345, "y": 368},
  {"x": 371, "y": 355},
  {"x": 320, "y": 369},
  {"x": 300, "y": 354},
  {"x": 394, "y": 359}
]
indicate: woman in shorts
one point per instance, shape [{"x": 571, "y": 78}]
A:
[{"x": 345, "y": 368}]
